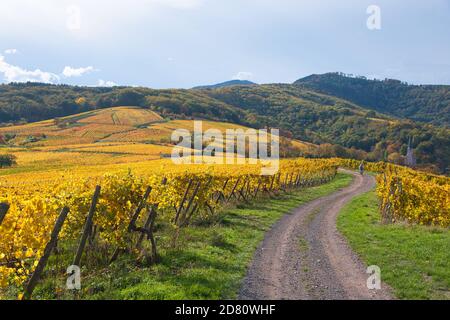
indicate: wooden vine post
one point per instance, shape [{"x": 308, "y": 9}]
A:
[
  {"x": 148, "y": 230},
  {"x": 138, "y": 210},
  {"x": 87, "y": 227},
  {"x": 285, "y": 182},
  {"x": 148, "y": 223},
  {"x": 188, "y": 215},
  {"x": 247, "y": 192},
  {"x": 150, "y": 236},
  {"x": 47, "y": 251},
  {"x": 271, "y": 183},
  {"x": 257, "y": 188},
  {"x": 221, "y": 195},
  {"x": 297, "y": 180},
  {"x": 232, "y": 194},
  {"x": 4, "y": 207},
  {"x": 180, "y": 208},
  {"x": 181, "y": 220},
  {"x": 278, "y": 181},
  {"x": 242, "y": 190},
  {"x": 132, "y": 223}
]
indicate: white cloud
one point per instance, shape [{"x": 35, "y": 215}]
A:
[
  {"x": 13, "y": 73},
  {"x": 76, "y": 72},
  {"x": 243, "y": 75},
  {"x": 103, "y": 83},
  {"x": 11, "y": 51}
]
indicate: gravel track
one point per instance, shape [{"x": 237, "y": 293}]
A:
[{"x": 304, "y": 257}]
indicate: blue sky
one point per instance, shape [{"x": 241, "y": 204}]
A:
[{"x": 184, "y": 43}]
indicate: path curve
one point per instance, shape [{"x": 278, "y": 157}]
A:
[{"x": 304, "y": 256}]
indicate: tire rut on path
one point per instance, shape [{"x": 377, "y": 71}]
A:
[{"x": 303, "y": 256}]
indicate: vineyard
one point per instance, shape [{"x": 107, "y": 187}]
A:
[
  {"x": 91, "y": 218},
  {"x": 115, "y": 213},
  {"x": 409, "y": 195},
  {"x": 92, "y": 188}
]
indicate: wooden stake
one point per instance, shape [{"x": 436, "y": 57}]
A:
[
  {"x": 271, "y": 183},
  {"x": 297, "y": 180},
  {"x": 47, "y": 251},
  {"x": 221, "y": 194},
  {"x": 234, "y": 189},
  {"x": 247, "y": 193},
  {"x": 148, "y": 231},
  {"x": 241, "y": 191},
  {"x": 87, "y": 227},
  {"x": 257, "y": 189},
  {"x": 150, "y": 222},
  {"x": 191, "y": 200},
  {"x": 138, "y": 210},
  {"x": 132, "y": 223},
  {"x": 180, "y": 208},
  {"x": 187, "y": 220},
  {"x": 147, "y": 225},
  {"x": 4, "y": 207}
]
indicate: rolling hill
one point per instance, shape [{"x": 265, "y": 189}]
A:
[
  {"x": 117, "y": 135},
  {"x": 342, "y": 127},
  {"x": 88, "y": 127}
]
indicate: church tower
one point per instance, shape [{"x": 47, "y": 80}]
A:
[{"x": 410, "y": 158}]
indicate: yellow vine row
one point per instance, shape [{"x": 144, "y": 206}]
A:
[
  {"x": 409, "y": 195},
  {"x": 34, "y": 206}
]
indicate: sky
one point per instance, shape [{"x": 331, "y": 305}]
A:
[{"x": 185, "y": 43}]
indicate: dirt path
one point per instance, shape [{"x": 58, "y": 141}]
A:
[{"x": 304, "y": 257}]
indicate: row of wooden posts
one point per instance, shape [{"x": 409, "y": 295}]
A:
[{"x": 182, "y": 218}]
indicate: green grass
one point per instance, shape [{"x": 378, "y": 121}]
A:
[
  {"x": 209, "y": 262},
  {"x": 414, "y": 260}
]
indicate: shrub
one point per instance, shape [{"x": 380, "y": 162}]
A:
[{"x": 7, "y": 160}]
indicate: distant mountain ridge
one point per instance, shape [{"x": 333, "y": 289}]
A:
[
  {"x": 227, "y": 84},
  {"x": 425, "y": 103}
]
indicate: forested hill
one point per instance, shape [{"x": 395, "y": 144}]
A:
[
  {"x": 343, "y": 128},
  {"x": 319, "y": 118},
  {"x": 427, "y": 103}
]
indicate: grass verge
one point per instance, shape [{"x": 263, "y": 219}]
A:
[{"x": 414, "y": 260}]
